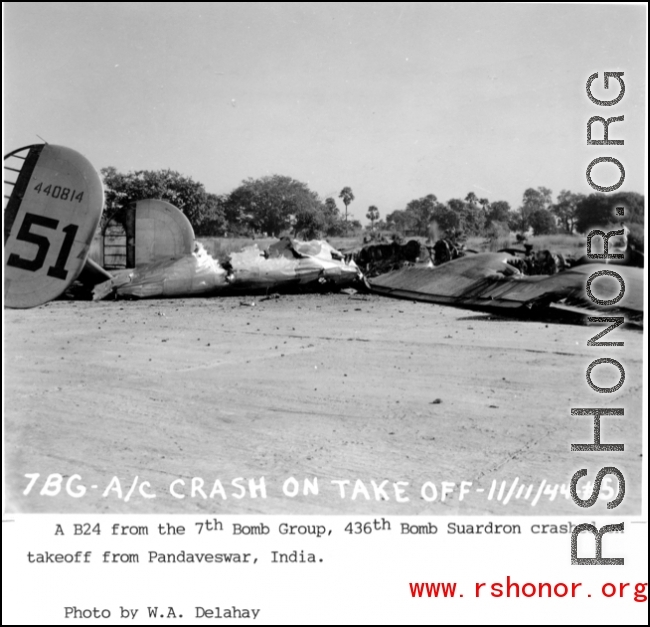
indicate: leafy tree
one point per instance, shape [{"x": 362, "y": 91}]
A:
[
  {"x": 372, "y": 215},
  {"x": 457, "y": 206},
  {"x": 420, "y": 212},
  {"x": 331, "y": 209},
  {"x": 334, "y": 225},
  {"x": 598, "y": 210},
  {"x": 539, "y": 198},
  {"x": 471, "y": 198},
  {"x": 565, "y": 209},
  {"x": 416, "y": 217},
  {"x": 214, "y": 221},
  {"x": 310, "y": 223},
  {"x": 499, "y": 211},
  {"x": 354, "y": 226},
  {"x": 446, "y": 219},
  {"x": 471, "y": 217},
  {"x": 181, "y": 191},
  {"x": 533, "y": 200},
  {"x": 272, "y": 203},
  {"x": 238, "y": 218},
  {"x": 542, "y": 222},
  {"x": 516, "y": 222},
  {"x": 347, "y": 196},
  {"x": 399, "y": 221}
]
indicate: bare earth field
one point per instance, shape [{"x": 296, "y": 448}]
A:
[{"x": 325, "y": 388}]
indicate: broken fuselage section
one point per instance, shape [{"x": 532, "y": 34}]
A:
[{"x": 170, "y": 263}]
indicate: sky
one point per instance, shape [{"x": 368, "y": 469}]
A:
[{"x": 395, "y": 100}]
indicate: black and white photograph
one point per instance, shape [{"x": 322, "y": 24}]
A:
[{"x": 325, "y": 259}]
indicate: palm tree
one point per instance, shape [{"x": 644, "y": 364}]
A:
[
  {"x": 347, "y": 196},
  {"x": 372, "y": 215}
]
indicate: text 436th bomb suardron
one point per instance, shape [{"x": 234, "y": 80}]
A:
[{"x": 210, "y": 526}]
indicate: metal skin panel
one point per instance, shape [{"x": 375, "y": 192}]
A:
[
  {"x": 55, "y": 220},
  {"x": 191, "y": 275},
  {"x": 161, "y": 232},
  {"x": 485, "y": 281},
  {"x": 251, "y": 273}
]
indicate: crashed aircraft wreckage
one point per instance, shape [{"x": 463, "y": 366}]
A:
[
  {"x": 54, "y": 205},
  {"x": 169, "y": 263},
  {"x": 149, "y": 251},
  {"x": 313, "y": 265},
  {"x": 492, "y": 282}
]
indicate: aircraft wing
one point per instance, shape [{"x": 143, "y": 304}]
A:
[{"x": 487, "y": 282}]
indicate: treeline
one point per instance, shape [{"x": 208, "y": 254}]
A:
[
  {"x": 276, "y": 204},
  {"x": 270, "y": 205},
  {"x": 538, "y": 213}
]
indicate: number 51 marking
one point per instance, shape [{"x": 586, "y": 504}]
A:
[{"x": 58, "y": 270}]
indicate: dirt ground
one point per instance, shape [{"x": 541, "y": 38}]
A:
[{"x": 325, "y": 388}]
